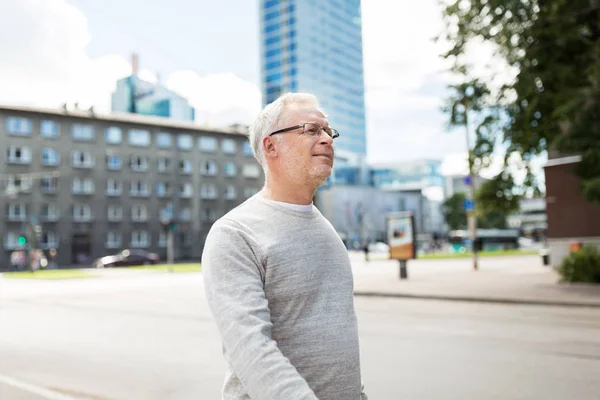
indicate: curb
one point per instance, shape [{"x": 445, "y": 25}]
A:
[{"x": 474, "y": 299}]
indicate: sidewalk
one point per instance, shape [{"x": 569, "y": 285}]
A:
[{"x": 509, "y": 280}]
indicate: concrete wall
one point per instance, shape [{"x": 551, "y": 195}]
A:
[{"x": 559, "y": 248}]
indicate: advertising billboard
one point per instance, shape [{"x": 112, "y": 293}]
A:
[{"x": 401, "y": 236}]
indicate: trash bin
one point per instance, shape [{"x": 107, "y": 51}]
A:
[{"x": 545, "y": 254}]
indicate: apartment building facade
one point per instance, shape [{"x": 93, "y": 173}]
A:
[{"x": 90, "y": 185}]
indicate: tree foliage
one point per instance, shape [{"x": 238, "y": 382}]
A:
[
  {"x": 553, "y": 104},
  {"x": 454, "y": 212}
]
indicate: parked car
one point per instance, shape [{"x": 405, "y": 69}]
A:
[{"x": 128, "y": 258}]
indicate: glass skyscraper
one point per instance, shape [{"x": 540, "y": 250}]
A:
[{"x": 315, "y": 46}]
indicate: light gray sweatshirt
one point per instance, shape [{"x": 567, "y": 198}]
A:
[{"x": 279, "y": 285}]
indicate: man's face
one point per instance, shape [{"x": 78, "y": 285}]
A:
[{"x": 304, "y": 158}]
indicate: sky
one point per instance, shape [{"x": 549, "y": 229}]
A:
[{"x": 57, "y": 51}]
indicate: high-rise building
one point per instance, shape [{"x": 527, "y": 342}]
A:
[
  {"x": 137, "y": 96},
  {"x": 315, "y": 46}
]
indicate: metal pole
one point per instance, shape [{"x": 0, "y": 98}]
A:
[
  {"x": 170, "y": 248},
  {"x": 471, "y": 217},
  {"x": 403, "y": 269}
]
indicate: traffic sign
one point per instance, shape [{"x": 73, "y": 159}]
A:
[
  {"x": 468, "y": 180},
  {"x": 469, "y": 205}
]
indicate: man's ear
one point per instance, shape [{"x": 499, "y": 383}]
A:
[{"x": 269, "y": 147}]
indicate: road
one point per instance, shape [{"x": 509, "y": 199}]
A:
[{"x": 150, "y": 336}]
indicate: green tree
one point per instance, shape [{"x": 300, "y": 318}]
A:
[
  {"x": 454, "y": 211},
  {"x": 455, "y": 216},
  {"x": 554, "y": 45}
]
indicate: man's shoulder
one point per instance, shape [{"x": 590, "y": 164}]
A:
[{"x": 250, "y": 212}]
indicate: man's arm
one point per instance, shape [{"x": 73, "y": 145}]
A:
[{"x": 234, "y": 289}]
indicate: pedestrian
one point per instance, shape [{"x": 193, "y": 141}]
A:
[
  {"x": 366, "y": 250},
  {"x": 277, "y": 275}
]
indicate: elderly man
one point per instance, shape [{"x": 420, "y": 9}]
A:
[{"x": 277, "y": 276}]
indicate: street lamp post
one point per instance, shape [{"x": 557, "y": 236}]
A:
[
  {"x": 470, "y": 203},
  {"x": 167, "y": 220}
]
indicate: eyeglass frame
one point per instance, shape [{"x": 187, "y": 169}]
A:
[{"x": 334, "y": 132}]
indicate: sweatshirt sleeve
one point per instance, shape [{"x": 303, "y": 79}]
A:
[{"x": 235, "y": 294}]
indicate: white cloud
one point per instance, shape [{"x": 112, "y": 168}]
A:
[
  {"x": 218, "y": 98},
  {"x": 46, "y": 65},
  {"x": 406, "y": 79}
]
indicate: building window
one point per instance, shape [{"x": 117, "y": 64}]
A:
[
  {"x": 138, "y": 163},
  {"x": 230, "y": 193},
  {"x": 82, "y": 186},
  {"x": 49, "y": 184},
  {"x": 17, "y": 184},
  {"x": 139, "y": 137},
  {"x": 82, "y": 159},
  {"x": 185, "y": 142},
  {"x": 249, "y": 192},
  {"x": 50, "y": 157},
  {"x": 247, "y": 149},
  {"x": 162, "y": 240},
  {"x": 82, "y": 132},
  {"x": 164, "y": 164},
  {"x": 113, "y": 162},
  {"x": 140, "y": 239},
  {"x": 82, "y": 213},
  {"x": 11, "y": 241},
  {"x": 209, "y": 168},
  {"x": 18, "y": 126},
  {"x": 163, "y": 140},
  {"x": 208, "y": 215},
  {"x": 139, "y": 189},
  {"x": 113, "y": 240},
  {"x": 228, "y": 146},
  {"x": 49, "y": 129},
  {"x": 18, "y": 155},
  {"x": 16, "y": 212},
  {"x": 113, "y": 135},
  {"x": 208, "y": 191},
  {"x": 251, "y": 171},
  {"x": 139, "y": 213},
  {"x": 50, "y": 212},
  {"x": 113, "y": 187},
  {"x": 185, "y": 215},
  {"x": 186, "y": 190},
  {"x": 163, "y": 189},
  {"x": 229, "y": 169},
  {"x": 49, "y": 240},
  {"x": 185, "y": 239},
  {"x": 185, "y": 167},
  {"x": 114, "y": 213},
  {"x": 207, "y": 144}
]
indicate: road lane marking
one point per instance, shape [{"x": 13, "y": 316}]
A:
[{"x": 38, "y": 390}]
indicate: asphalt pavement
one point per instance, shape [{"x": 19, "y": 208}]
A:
[{"x": 151, "y": 336}]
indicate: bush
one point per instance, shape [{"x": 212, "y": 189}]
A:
[{"x": 581, "y": 266}]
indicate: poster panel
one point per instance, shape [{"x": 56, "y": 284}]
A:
[{"x": 401, "y": 236}]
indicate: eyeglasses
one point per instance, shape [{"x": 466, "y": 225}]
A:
[{"x": 310, "y": 129}]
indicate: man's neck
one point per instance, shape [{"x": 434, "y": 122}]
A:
[{"x": 293, "y": 194}]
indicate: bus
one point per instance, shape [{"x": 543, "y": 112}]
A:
[{"x": 486, "y": 240}]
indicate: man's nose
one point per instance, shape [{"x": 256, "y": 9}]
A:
[{"x": 324, "y": 138}]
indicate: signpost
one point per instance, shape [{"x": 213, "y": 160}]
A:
[
  {"x": 166, "y": 218},
  {"x": 402, "y": 239}
]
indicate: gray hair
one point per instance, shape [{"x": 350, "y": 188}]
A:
[{"x": 274, "y": 117}]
